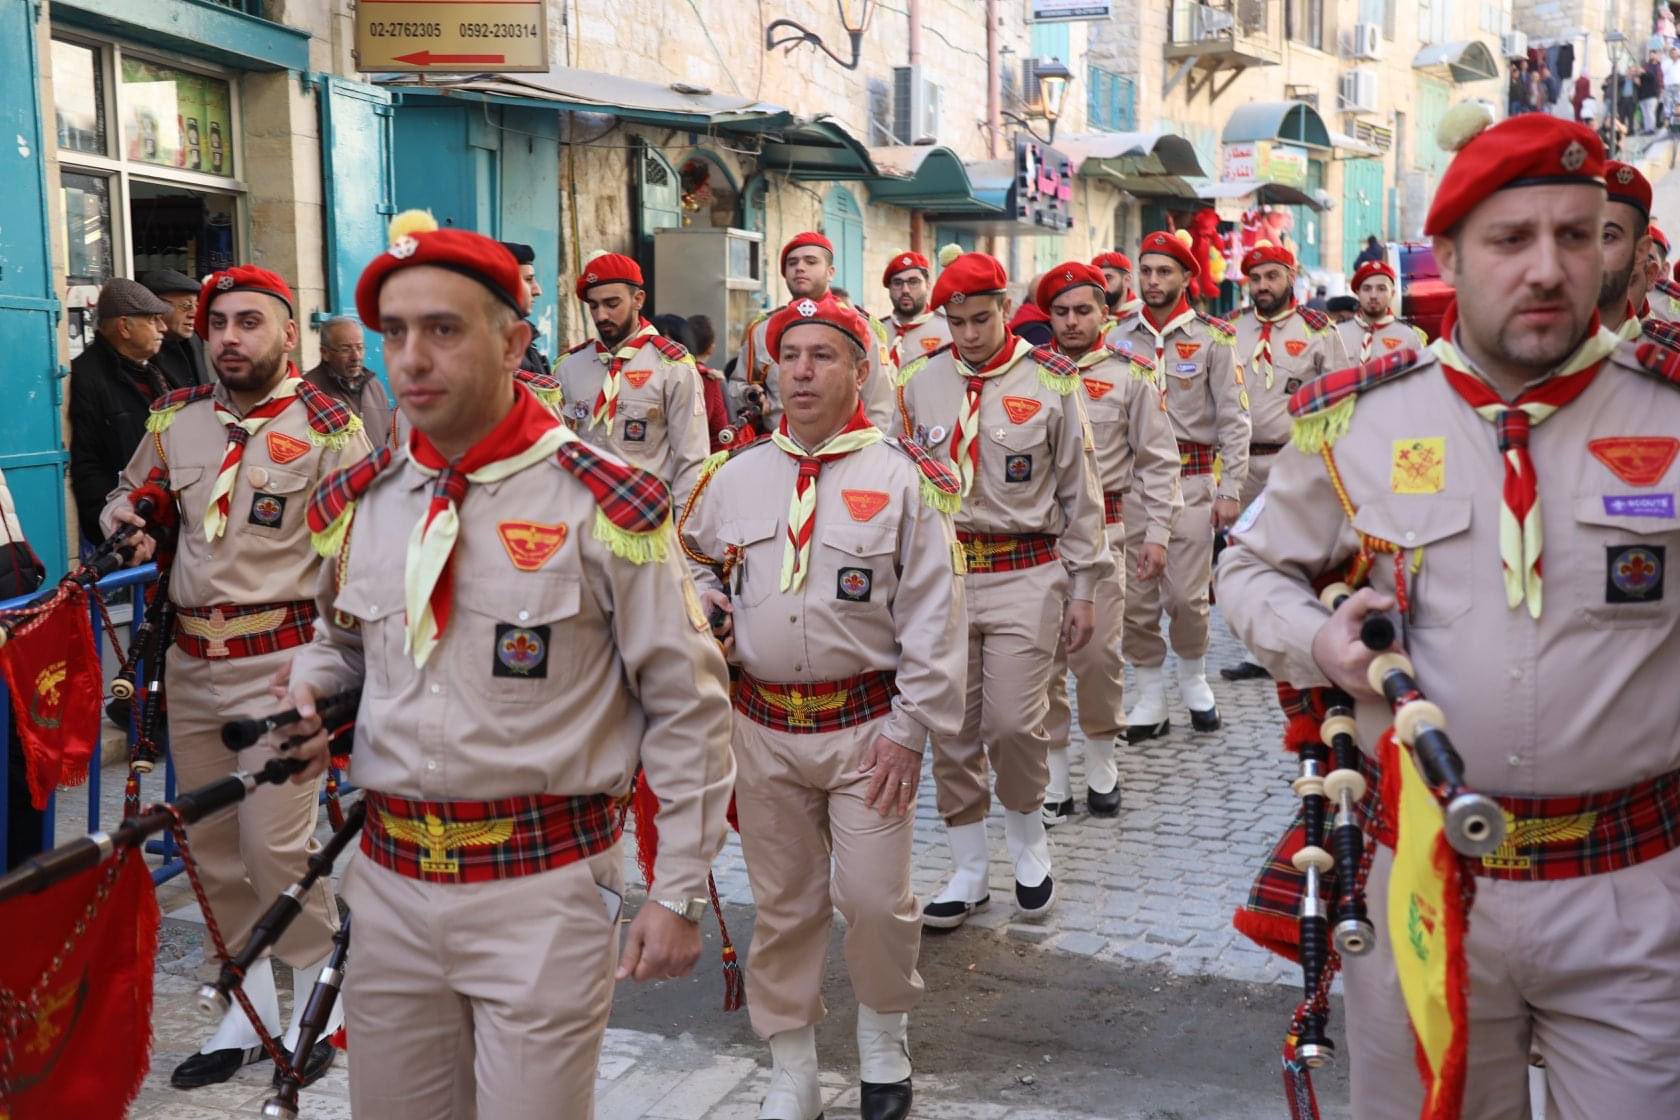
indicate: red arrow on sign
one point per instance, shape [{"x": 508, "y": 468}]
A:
[{"x": 427, "y": 58}]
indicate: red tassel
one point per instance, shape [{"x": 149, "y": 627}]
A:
[
  {"x": 646, "y": 806},
  {"x": 131, "y": 795},
  {"x": 734, "y": 984},
  {"x": 340, "y": 1040},
  {"x": 335, "y": 811},
  {"x": 1300, "y": 729}
]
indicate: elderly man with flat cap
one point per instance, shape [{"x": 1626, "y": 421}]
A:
[
  {"x": 344, "y": 375},
  {"x": 1510, "y": 493},
  {"x": 917, "y": 329},
  {"x": 181, "y": 358},
  {"x": 239, "y": 459},
  {"x": 847, "y": 618}
]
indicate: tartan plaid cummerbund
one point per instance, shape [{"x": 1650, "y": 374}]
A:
[
  {"x": 1194, "y": 458},
  {"x": 1112, "y": 502},
  {"x": 1590, "y": 834},
  {"x": 480, "y": 841},
  {"x": 811, "y": 707},
  {"x": 1006, "y": 552},
  {"x": 233, "y": 631},
  {"x": 1265, "y": 448}
]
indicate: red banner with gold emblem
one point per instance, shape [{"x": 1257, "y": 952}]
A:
[
  {"x": 76, "y": 994},
  {"x": 52, "y": 670}
]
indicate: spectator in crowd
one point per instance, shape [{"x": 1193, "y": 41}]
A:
[
  {"x": 1582, "y": 95},
  {"x": 1372, "y": 252},
  {"x": 1650, "y": 93},
  {"x": 182, "y": 356},
  {"x": 1536, "y": 93},
  {"x": 1671, "y": 81},
  {"x": 1341, "y": 308},
  {"x": 20, "y": 573},
  {"x": 1516, "y": 96},
  {"x": 1665, "y": 23},
  {"x": 1320, "y": 298},
  {"x": 343, "y": 375},
  {"x": 1550, "y": 89},
  {"x": 711, "y": 383},
  {"x": 112, "y": 386},
  {"x": 526, "y": 257}
]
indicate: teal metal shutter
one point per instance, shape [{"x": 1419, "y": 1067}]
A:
[
  {"x": 843, "y": 225},
  {"x": 1362, "y": 206},
  {"x": 359, "y": 183}
]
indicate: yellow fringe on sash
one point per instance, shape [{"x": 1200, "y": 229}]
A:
[
  {"x": 333, "y": 441},
  {"x": 909, "y": 370},
  {"x": 939, "y": 499},
  {"x": 1062, "y": 384},
  {"x": 1314, "y": 432},
  {"x": 329, "y": 540},
  {"x": 551, "y": 398},
  {"x": 159, "y": 419},
  {"x": 638, "y": 548}
]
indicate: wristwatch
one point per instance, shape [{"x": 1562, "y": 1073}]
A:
[{"x": 688, "y": 909}]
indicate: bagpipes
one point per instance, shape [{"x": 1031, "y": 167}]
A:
[{"x": 749, "y": 423}]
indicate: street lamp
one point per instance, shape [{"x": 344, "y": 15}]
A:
[
  {"x": 854, "y": 17},
  {"x": 1053, "y": 79}
]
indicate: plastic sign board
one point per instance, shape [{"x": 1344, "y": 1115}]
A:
[
  {"x": 451, "y": 37},
  {"x": 1066, "y": 11}
]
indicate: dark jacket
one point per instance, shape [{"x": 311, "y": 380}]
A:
[
  {"x": 110, "y": 398},
  {"x": 535, "y": 361},
  {"x": 182, "y": 361}
]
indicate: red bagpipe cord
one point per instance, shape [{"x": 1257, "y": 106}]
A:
[{"x": 644, "y": 805}]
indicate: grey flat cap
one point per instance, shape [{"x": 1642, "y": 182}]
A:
[
  {"x": 121, "y": 296},
  {"x": 166, "y": 280}
]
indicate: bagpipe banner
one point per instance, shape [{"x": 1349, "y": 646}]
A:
[
  {"x": 53, "y": 672},
  {"x": 78, "y": 1003},
  {"x": 1428, "y": 915}
]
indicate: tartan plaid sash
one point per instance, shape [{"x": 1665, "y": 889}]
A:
[
  {"x": 1006, "y": 552},
  {"x": 1113, "y": 500},
  {"x": 481, "y": 841},
  {"x": 1195, "y": 458},
  {"x": 633, "y": 500},
  {"x": 232, "y": 631},
  {"x": 814, "y": 707}
]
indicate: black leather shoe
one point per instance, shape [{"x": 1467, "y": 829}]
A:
[
  {"x": 885, "y": 1102},
  {"x": 950, "y": 915},
  {"x": 1056, "y": 812},
  {"x": 213, "y": 1068},
  {"x": 1205, "y": 721},
  {"x": 1139, "y": 732},
  {"x": 1034, "y": 901},
  {"x": 1103, "y": 804},
  {"x": 320, "y": 1060},
  {"x": 1245, "y": 671}
]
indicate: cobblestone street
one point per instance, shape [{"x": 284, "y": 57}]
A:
[{"x": 1142, "y": 926}]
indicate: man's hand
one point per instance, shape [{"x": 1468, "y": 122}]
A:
[
  {"x": 142, "y": 545},
  {"x": 1340, "y": 655},
  {"x": 1079, "y": 622},
  {"x": 716, "y": 603},
  {"x": 893, "y": 773},
  {"x": 280, "y": 684},
  {"x": 1151, "y": 562},
  {"x": 312, "y": 750},
  {"x": 661, "y": 945},
  {"x": 1225, "y": 513}
]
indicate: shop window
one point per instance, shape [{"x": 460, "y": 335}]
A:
[
  {"x": 174, "y": 118},
  {"x": 79, "y": 98},
  {"x": 1111, "y": 100}
]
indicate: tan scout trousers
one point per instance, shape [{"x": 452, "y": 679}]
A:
[
  {"x": 800, "y": 800},
  {"x": 1184, "y": 584},
  {"x": 1013, "y": 622},
  {"x": 1259, "y": 470},
  {"x": 1097, "y": 671},
  {"x": 248, "y": 853},
  {"x": 1585, "y": 971},
  {"x": 492, "y": 996}
]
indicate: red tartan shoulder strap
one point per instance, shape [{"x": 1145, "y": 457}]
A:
[
  {"x": 1333, "y": 388},
  {"x": 1668, "y": 288},
  {"x": 669, "y": 350},
  {"x": 1664, "y": 331},
  {"x": 1653, "y": 359},
  {"x": 937, "y": 472},
  {"x": 1314, "y": 319},
  {"x": 1136, "y": 357},
  {"x": 539, "y": 382},
  {"x": 175, "y": 398},
  {"x": 584, "y": 345},
  {"x": 632, "y": 500},
  {"x": 1055, "y": 361},
  {"x": 1220, "y": 326},
  {"x": 327, "y": 414},
  {"x": 335, "y": 493}
]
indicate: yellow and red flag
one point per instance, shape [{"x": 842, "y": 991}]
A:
[
  {"x": 1428, "y": 915},
  {"x": 53, "y": 673}
]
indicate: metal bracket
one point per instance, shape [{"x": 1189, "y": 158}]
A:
[
  {"x": 1178, "y": 75},
  {"x": 1229, "y": 82}
]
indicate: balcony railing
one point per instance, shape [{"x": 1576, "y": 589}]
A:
[{"x": 1225, "y": 32}]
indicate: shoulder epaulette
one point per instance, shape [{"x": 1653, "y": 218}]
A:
[
  {"x": 331, "y": 422},
  {"x": 632, "y": 507},
  {"x": 1315, "y": 319},
  {"x": 1658, "y": 361},
  {"x": 1667, "y": 287},
  {"x": 333, "y": 504},
  {"x": 915, "y": 365},
  {"x": 762, "y": 316},
  {"x": 1056, "y": 371},
  {"x": 668, "y": 349},
  {"x": 164, "y": 410},
  {"x": 1663, "y": 331},
  {"x": 941, "y": 488},
  {"x": 584, "y": 345},
  {"x": 1143, "y": 365},
  {"x": 546, "y": 387},
  {"x": 1223, "y": 331},
  {"x": 1323, "y": 408},
  {"x": 880, "y": 330}
]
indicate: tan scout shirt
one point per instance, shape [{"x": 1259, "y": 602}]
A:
[
  {"x": 661, "y": 421},
  {"x": 1397, "y": 335},
  {"x": 755, "y": 365},
  {"x": 917, "y": 338},
  {"x": 1207, "y": 401},
  {"x": 264, "y": 554},
  {"x": 625, "y": 674},
  {"x": 1133, "y": 436},
  {"x": 880, "y": 595},
  {"x": 1304, "y": 346},
  {"x": 1581, "y": 699},
  {"x": 1036, "y": 473}
]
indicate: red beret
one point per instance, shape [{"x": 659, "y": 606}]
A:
[
  {"x": 1116, "y": 260},
  {"x": 239, "y": 278},
  {"x": 1531, "y": 149},
  {"x": 1064, "y": 277},
  {"x": 828, "y": 311},
  {"x": 800, "y": 240},
  {"x": 1266, "y": 253},
  {"x": 1626, "y": 184},
  {"x": 1169, "y": 245},
  {"x": 1369, "y": 269},
  {"x": 904, "y": 262},
  {"x": 416, "y": 240},
  {"x": 1660, "y": 238},
  {"x": 609, "y": 268},
  {"x": 972, "y": 274}
]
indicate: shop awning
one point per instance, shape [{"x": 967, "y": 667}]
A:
[
  {"x": 927, "y": 177},
  {"x": 587, "y": 91},
  {"x": 1467, "y": 60},
  {"x": 820, "y": 150},
  {"x": 1349, "y": 147},
  {"x": 222, "y": 33},
  {"x": 1129, "y": 155},
  {"x": 1267, "y": 194},
  {"x": 1293, "y": 122}
]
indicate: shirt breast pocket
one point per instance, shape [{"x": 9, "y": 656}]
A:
[
  {"x": 1441, "y": 591},
  {"x": 640, "y": 430},
  {"x": 1621, "y": 576},
  {"x": 276, "y": 504},
  {"x": 512, "y": 638},
  {"x": 375, "y": 608},
  {"x": 758, "y": 547},
  {"x": 1022, "y": 456},
  {"x": 858, "y": 561}
]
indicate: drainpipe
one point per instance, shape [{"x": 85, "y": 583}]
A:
[
  {"x": 994, "y": 95},
  {"x": 918, "y": 221}
]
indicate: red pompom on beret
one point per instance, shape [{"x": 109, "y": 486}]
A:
[
  {"x": 1528, "y": 150},
  {"x": 800, "y": 240},
  {"x": 1169, "y": 245},
  {"x": 1064, "y": 277},
  {"x": 903, "y": 263},
  {"x": 972, "y": 274},
  {"x": 609, "y": 268},
  {"x": 417, "y": 240},
  {"x": 827, "y": 311},
  {"x": 239, "y": 278}
]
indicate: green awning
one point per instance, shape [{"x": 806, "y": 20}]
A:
[
  {"x": 927, "y": 177},
  {"x": 1130, "y": 155},
  {"x": 818, "y": 150},
  {"x": 1467, "y": 60},
  {"x": 1294, "y": 122},
  {"x": 216, "y": 32},
  {"x": 565, "y": 89}
]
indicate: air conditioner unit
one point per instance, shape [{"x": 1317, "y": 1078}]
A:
[
  {"x": 915, "y": 106},
  {"x": 1514, "y": 44},
  {"x": 1365, "y": 41},
  {"x": 1357, "y": 91}
]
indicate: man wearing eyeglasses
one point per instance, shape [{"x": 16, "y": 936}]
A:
[
  {"x": 181, "y": 358},
  {"x": 342, "y": 375}
]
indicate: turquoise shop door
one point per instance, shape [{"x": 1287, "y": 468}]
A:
[
  {"x": 447, "y": 160},
  {"x": 530, "y": 206},
  {"x": 32, "y": 450},
  {"x": 843, "y": 224},
  {"x": 359, "y": 183},
  {"x": 1362, "y": 207}
]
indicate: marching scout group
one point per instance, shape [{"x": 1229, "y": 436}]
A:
[{"x": 940, "y": 520}]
